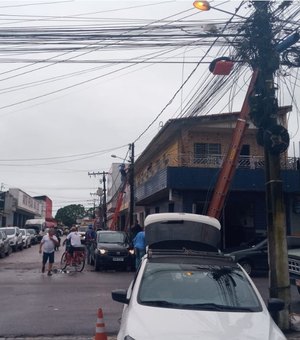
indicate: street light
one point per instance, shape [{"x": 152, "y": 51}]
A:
[
  {"x": 202, "y": 5},
  {"x": 115, "y": 156},
  {"x": 205, "y": 6}
]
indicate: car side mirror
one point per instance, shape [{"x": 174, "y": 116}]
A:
[
  {"x": 275, "y": 305},
  {"x": 120, "y": 295}
]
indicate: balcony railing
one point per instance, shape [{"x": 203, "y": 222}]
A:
[
  {"x": 248, "y": 162},
  {"x": 160, "y": 177},
  {"x": 190, "y": 160}
]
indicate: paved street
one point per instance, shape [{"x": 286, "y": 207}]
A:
[{"x": 67, "y": 302}]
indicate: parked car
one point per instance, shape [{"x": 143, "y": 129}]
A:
[
  {"x": 112, "y": 250},
  {"x": 15, "y": 237},
  {"x": 5, "y": 248},
  {"x": 182, "y": 293},
  {"x": 254, "y": 257},
  {"x": 34, "y": 236},
  {"x": 27, "y": 237}
]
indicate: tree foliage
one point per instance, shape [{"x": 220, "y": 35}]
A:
[
  {"x": 70, "y": 213},
  {"x": 90, "y": 212}
]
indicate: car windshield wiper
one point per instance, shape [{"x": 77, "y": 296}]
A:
[
  {"x": 199, "y": 306},
  {"x": 161, "y": 303},
  {"x": 214, "y": 306}
]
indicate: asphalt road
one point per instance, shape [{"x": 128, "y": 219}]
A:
[
  {"x": 65, "y": 304},
  {"x": 34, "y": 304}
]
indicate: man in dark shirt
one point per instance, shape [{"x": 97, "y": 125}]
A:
[{"x": 135, "y": 229}]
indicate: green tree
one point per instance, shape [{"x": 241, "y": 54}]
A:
[
  {"x": 70, "y": 213},
  {"x": 90, "y": 212}
]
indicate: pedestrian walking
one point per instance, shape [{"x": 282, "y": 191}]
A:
[
  {"x": 57, "y": 234},
  {"x": 139, "y": 247},
  {"x": 135, "y": 229},
  {"x": 48, "y": 243},
  {"x": 90, "y": 239}
]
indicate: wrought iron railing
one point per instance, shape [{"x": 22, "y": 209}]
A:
[
  {"x": 249, "y": 162},
  {"x": 216, "y": 161}
]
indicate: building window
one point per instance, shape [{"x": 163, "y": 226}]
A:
[
  {"x": 205, "y": 151},
  {"x": 156, "y": 210}
]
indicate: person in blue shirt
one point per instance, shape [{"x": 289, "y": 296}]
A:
[
  {"x": 90, "y": 239},
  {"x": 139, "y": 247}
]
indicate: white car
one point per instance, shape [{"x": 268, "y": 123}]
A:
[
  {"x": 26, "y": 237},
  {"x": 189, "y": 294},
  {"x": 15, "y": 237}
]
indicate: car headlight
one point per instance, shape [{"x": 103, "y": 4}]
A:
[
  {"x": 102, "y": 251},
  {"x": 128, "y": 337},
  {"x": 131, "y": 251}
]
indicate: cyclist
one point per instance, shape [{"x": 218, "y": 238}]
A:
[{"x": 74, "y": 240}]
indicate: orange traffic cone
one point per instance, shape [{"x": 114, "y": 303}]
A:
[{"x": 100, "y": 327}]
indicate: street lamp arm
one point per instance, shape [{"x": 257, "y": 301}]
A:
[
  {"x": 123, "y": 159},
  {"x": 205, "y": 6}
]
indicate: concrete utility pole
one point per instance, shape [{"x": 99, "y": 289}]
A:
[
  {"x": 132, "y": 189},
  {"x": 275, "y": 140},
  {"x": 104, "y": 208},
  {"x": 93, "y": 194}
]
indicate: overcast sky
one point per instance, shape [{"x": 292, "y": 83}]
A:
[{"x": 61, "y": 120}]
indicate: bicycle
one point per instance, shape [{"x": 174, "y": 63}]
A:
[{"x": 77, "y": 260}]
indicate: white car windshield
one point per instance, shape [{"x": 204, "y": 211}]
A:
[
  {"x": 9, "y": 231},
  {"x": 197, "y": 287}
]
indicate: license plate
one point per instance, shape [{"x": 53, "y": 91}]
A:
[
  {"x": 297, "y": 282},
  {"x": 118, "y": 259}
]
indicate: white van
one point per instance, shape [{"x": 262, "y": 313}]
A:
[{"x": 39, "y": 225}]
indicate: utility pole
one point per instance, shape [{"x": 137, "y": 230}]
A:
[
  {"x": 93, "y": 194},
  {"x": 275, "y": 140},
  {"x": 132, "y": 189},
  {"x": 104, "y": 200},
  {"x": 104, "y": 208}
]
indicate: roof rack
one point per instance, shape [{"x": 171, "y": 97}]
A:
[{"x": 155, "y": 253}]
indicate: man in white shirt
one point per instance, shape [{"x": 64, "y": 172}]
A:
[
  {"x": 48, "y": 243},
  {"x": 74, "y": 239}
]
